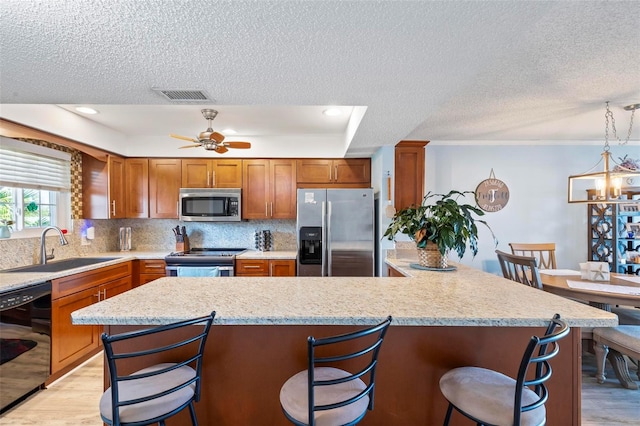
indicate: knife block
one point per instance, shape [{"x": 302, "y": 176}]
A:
[{"x": 183, "y": 245}]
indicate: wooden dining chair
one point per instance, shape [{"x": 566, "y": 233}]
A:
[
  {"x": 521, "y": 269},
  {"x": 545, "y": 253}
]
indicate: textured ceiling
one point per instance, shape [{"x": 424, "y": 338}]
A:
[{"x": 514, "y": 71}]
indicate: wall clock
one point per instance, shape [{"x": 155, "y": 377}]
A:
[{"x": 492, "y": 194}]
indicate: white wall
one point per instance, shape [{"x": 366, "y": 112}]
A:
[
  {"x": 381, "y": 163},
  {"x": 537, "y": 210}
]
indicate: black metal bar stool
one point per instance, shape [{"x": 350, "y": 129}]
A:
[
  {"x": 325, "y": 393},
  {"x": 492, "y": 398},
  {"x": 155, "y": 393}
]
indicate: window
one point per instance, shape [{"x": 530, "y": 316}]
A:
[{"x": 34, "y": 185}]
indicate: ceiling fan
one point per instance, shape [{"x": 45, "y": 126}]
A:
[{"x": 210, "y": 140}]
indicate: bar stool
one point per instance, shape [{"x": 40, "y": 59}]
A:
[
  {"x": 490, "y": 398},
  {"x": 329, "y": 396},
  {"x": 159, "y": 391}
]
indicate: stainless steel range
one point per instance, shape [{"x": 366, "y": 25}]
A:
[{"x": 202, "y": 262}]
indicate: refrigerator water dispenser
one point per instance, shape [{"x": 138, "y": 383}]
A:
[{"x": 310, "y": 245}]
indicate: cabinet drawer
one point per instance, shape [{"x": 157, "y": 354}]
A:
[
  {"x": 152, "y": 266},
  {"x": 252, "y": 267},
  {"x": 65, "y": 286}
]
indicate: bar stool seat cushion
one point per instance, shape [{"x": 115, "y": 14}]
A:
[
  {"x": 142, "y": 387},
  {"x": 294, "y": 397},
  {"x": 488, "y": 395}
]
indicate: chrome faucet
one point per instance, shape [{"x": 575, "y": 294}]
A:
[{"x": 43, "y": 250}]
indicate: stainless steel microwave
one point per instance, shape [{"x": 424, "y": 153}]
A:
[{"x": 210, "y": 204}]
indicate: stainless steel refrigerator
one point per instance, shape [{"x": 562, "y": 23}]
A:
[{"x": 335, "y": 229}]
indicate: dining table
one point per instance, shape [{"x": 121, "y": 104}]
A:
[{"x": 618, "y": 290}]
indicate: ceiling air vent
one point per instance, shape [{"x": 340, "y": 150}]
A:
[{"x": 186, "y": 95}]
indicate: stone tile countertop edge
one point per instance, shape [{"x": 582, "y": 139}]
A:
[{"x": 466, "y": 297}]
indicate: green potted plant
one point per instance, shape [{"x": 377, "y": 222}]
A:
[{"x": 438, "y": 225}]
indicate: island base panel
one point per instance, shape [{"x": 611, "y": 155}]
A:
[{"x": 246, "y": 365}]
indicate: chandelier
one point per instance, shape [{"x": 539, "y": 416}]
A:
[{"x": 605, "y": 186}]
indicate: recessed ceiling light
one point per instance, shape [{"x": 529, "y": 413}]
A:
[
  {"x": 229, "y": 131},
  {"x": 86, "y": 110},
  {"x": 332, "y": 112}
]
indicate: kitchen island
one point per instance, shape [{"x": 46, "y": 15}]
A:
[{"x": 441, "y": 321}]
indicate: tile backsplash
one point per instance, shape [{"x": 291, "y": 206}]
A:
[{"x": 146, "y": 235}]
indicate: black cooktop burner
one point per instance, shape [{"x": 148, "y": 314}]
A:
[{"x": 205, "y": 254}]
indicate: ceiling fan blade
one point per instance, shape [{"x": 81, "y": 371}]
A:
[
  {"x": 221, "y": 149},
  {"x": 184, "y": 138},
  {"x": 191, "y": 146},
  {"x": 240, "y": 145},
  {"x": 215, "y": 136}
]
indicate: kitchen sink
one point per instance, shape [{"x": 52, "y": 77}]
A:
[{"x": 61, "y": 265}]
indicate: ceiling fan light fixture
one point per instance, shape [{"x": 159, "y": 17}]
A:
[
  {"x": 211, "y": 140},
  {"x": 606, "y": 185}
]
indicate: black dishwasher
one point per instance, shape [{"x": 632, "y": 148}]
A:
[{"x": 25, "y": 342}]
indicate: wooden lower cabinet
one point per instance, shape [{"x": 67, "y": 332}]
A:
[
  {"x": 149, "y": 270},
  {"x": 265, "y": 268},
  {"x": 72, "y": 344},
  {"x": 394, "y": 273}
]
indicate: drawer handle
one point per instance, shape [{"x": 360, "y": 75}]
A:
[{"x": 251, "y": 267}]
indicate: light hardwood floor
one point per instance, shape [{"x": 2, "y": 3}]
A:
[{"x": 73, "y": 400}]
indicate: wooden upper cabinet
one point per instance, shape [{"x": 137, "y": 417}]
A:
[
  {"x": 164, "y": 187},
  {"x": 205, "y": 173},
  {"x": 269, "y": 189},
  {"x": 409, "y": 173},
  {"x": 336, "y": 173},
  {"x": 117, "y": 189},
  {"x": 137, "y": 187},
  {"x": 282, "y": 173},
  {"x": 103, "y": 188}
]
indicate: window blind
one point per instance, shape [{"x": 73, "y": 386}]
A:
[{"x": 24, "y": 165}]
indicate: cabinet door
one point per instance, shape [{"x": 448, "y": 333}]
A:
[
  {"x": 255, "y": 189},
  {"x": 252, "y": 267},
  {"x": 196, "y": 173},
  {"x": 115, "y": 287},
  {"x": 314, "y": 171},
  {"x": 137, "y": 187},
  {"x": 116, "y": 176},
  {"x": 352, "y": 170},
  {"x": 164, "y": 188},
  {"x": 409, "y": 174},
  {"x": 227, "y": 173},
  {"x": 282, "y": 268},
  {"x": 71, "y": 342},
  {"x": 283, "y": 189}
]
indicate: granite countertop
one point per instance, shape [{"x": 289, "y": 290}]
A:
[
  {"x": 16, "y": 280},
  {"x": 466, "y": 297}
]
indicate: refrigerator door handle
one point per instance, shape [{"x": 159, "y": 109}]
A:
[
  {"x": 322, "y": 240},
  {"x": 328, "y": 239}
]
